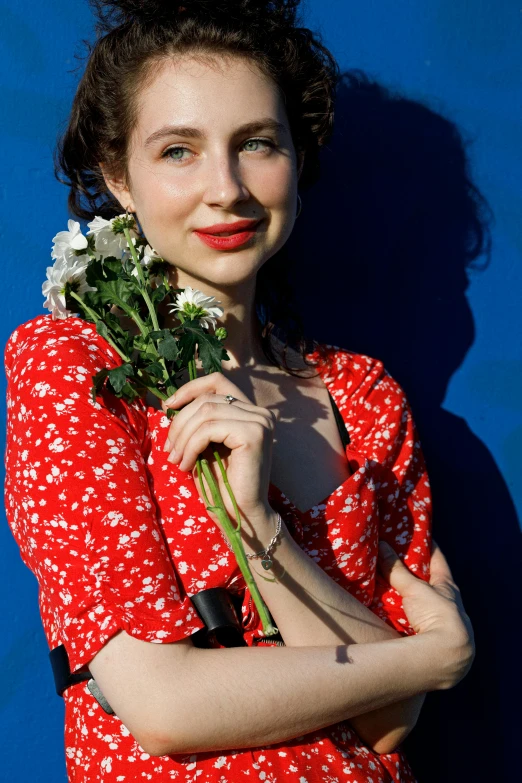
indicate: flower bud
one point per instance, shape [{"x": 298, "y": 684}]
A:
[{"x": 221, "y": 333}]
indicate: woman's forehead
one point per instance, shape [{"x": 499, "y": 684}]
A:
[{"x": 211, "y": 93}]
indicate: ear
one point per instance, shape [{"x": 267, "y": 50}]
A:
[{"x": 119, "y": 189}]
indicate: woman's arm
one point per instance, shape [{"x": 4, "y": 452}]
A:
[
  {"x": 175, "y": 698},
  {"x": 310, "y": 608}
]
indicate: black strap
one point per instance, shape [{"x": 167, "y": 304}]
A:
[
  {"x": 62, "y": 670},
  {"x": 221, "y": 613},
  {"x": 341, "y": 426},
  {"x": 216, "y": 608},
  {"x": 63, "y": 678}
]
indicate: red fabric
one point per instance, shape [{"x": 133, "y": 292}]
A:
[{"x": 118, "y": 539}]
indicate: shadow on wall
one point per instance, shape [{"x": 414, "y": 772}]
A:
[{"x": 386, "y": 257}]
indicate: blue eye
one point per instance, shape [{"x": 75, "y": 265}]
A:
[
  {"x": 169, "y": 153},
  {"x": 266, "y": 142}
]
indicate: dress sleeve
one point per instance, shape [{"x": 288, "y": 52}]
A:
[
  {"x": 382, "y": 425},
  {"x": 78, "y": 496}
]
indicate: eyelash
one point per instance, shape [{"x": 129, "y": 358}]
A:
[{"x": 167, "y": 152}]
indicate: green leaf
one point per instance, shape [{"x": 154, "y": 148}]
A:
[
  {"x": 159, "y": 334},
  {"x": 119, "y": 292},
  {"x": 159, "y": 294},
  {"x": 187, "y": 345},
  {"x": 101, "y": 328},
  {"x": 99, "y": 269},
  {"x": 156, "y": 370},
  {"x": 117, "y": 378},
  {"x": 98, "y": 381},
  {"x": 210, "y": 349},
  {"x": 168, "y": 348},
  {"x": 212, "y": 353},
  {"x": 129, "y": 393},
  {"x": 92, "y": 300},
  {"x": 112, "y": 284},
  {"x": 146, "y": 348}
]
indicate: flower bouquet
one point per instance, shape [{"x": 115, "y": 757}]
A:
[{"x": 111, "y": 277}]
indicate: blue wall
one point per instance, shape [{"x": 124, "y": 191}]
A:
[{"x": 437, "y": 113}]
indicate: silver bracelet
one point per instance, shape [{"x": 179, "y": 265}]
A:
[{"x": 267, "y": 561}]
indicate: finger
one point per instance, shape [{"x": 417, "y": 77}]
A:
[
  {"x": 233, "y": 435},
  {"x": 440, "y": 572},
  {"x": 233, "y": 429},
  {"x": 209, "y": 407},
  {"x": 190, "y": 409},
  {"x": 394, "y": 570},
  {"x": 214, "y": 382},
  {"x": 200, "y": 479}
]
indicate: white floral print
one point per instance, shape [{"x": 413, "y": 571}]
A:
[{"x": 118, "y": 538}]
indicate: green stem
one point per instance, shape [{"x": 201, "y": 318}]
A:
[
  {"x": 141, "y": 276},
  {"x": 148, "y": 301},
  {"x": 95, "y": 317},
  {"x": 236, "y": 543},
  {"x": 233, "y": 533},
  {"x": 229, "y": 490}
]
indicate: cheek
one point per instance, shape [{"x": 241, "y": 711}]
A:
[
  {"x": 161, "y": 199},
  {"x": 276, "y": 186}
]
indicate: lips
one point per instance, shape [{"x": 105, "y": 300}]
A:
[
  {"x": 235, "y": 240},
  {"x": 229, "y": 228}
]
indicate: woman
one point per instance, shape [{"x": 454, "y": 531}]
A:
[{"x": 195, "y": 118}]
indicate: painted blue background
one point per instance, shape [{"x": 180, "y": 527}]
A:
[{"x": 397, "y": 284}]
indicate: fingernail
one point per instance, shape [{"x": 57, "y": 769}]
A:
[
  {"x": 167, "y": 446},
  {"x": 171, "y": 399}
]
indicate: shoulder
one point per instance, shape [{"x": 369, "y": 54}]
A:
[
  {"x": 50, "y": 365},
  {"x": 355, "y": 377},
  {"x": 374, "y": 405},
  {"x": 70, "y": 340}
]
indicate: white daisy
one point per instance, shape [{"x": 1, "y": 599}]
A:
[
  {"x": 109, "y": 239},
  {"x": 151, "y": 260},
  {"x": 196, "y": 306},
  {"x": 65, "y": 275},
  {"x": 69, "y": 244}
]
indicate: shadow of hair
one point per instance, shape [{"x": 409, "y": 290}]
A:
[{"x": 382, "y": 257}]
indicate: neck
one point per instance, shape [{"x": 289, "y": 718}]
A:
[{"x": 243, "y": 342}]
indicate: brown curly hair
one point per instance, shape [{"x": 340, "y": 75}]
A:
[{"x": 133, "y": 38}]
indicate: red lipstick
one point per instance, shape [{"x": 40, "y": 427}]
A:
[{"x": 243, "y": 231}]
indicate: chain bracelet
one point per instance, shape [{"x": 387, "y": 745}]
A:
[{"x": 266, "y": 561}]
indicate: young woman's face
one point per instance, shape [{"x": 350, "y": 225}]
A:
[{"x": 220, "y": 171}]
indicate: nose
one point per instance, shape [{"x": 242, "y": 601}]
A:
[{"x": 226, "y": 186}]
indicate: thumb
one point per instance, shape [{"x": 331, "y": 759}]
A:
[{"x": 393, "y": 569}]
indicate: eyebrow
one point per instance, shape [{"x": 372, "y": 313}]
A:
[{"x": 267, "y": 123}]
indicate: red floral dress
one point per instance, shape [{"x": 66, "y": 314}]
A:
[{"x": 118, "y": 538}]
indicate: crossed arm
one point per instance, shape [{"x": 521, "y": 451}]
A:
[{"x": 311, "y": 609}]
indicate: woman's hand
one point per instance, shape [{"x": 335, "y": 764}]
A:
[
  {"x": 434, "y": 608},
  {"x": 206, "y": 422}
]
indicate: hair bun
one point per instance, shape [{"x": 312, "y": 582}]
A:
[{"x": 111, "y": 13}]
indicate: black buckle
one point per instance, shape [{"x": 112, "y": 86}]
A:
[{"x": 63, "y": 678}]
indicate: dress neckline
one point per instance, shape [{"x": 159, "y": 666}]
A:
[
  {"x": 346, "y": 442},
  {"x": 324, "y": 502},
  {"x": 273, "y": 488}
]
